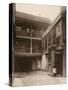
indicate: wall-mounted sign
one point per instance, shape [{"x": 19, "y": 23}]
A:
[{"x": 59, "y": 29}]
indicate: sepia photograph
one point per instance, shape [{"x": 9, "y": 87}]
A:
[{"x": 37, "y": 44}]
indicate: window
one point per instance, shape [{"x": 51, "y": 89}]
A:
[
  {"x": 45, "y": 43},
  {"x": 49, "y": 38},
  {"x": 54, "y": 36},
  {"x": 42, "y": 45}
]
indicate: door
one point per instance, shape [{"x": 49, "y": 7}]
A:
[{"x": 59, "y": 63}]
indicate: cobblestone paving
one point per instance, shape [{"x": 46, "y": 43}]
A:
[{"x": 37, "y": 78}]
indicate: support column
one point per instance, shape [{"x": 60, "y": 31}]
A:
[
  {"x": 31, "y": 42},
  {"x": 64, "y": 63},
  {"x": 52, "y": 58},
  {"x": 44, "y": 62},
  {"x": 31, "y": 47}
]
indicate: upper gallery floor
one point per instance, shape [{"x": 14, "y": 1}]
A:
[{"x": 30, "y": 26}]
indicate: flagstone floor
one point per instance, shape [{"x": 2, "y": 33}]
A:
[{"x": 36, "y": 78}]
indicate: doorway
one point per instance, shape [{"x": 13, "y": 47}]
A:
[
  {"x": 59, "y": 63},
  {"x": 23, "y": 64}
]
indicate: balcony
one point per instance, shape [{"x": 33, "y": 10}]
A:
[
  {"x": 28, "y": 32},
  {"x": 27, "y": 50},
  {"x": 23, "y": 33}
]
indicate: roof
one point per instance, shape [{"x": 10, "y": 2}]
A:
[{"x": 32, "y": 17}]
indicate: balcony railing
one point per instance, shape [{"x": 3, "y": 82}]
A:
[
  {"x": 34, "y": 50},
  {"x": 28, "y": 34},
  {"x": 21, "y": 33},
  {"x": 23, "y": 50},
  {"x": 27, "y": 50}
]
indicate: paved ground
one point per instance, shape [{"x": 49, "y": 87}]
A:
[{"x": 36, "y": 78}]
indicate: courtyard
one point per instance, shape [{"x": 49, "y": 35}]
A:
[{"x": 36, "y": 78}]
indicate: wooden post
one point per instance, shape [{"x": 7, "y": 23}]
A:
[
  {"x": 31, "y": 46},
  {"x": 31, "y": 42},
  {"x": 44, "y": 45},
  {"x": 53, "y": 56}
]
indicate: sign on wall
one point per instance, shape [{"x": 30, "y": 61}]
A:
[{"x": 59, "y": 29}]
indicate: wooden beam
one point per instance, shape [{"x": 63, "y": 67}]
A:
[
  {"x": 17, "y": 36},
  {"x": 27, "y": 54}
]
